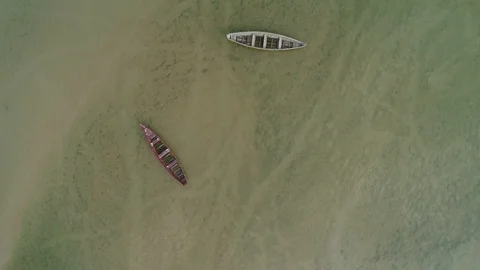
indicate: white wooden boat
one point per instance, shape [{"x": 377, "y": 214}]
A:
[{"x": 265, "y": 41}]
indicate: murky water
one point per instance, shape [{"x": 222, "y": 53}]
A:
[{"x": 360, "y": 151}]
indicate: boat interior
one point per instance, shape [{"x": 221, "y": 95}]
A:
[
  {"x": 266, "y": 42},
  {"x": 177, "y": 171},
  {"x": 168, "y": 158},
  {"x": 159, "y": 147}
]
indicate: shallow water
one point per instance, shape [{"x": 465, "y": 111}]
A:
[{"x": 359, "y": 151}]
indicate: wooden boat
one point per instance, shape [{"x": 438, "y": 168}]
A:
[
  {"x": 165, "y": 155},
  {"x": 265, "y": 41}
]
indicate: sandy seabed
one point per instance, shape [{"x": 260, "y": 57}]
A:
[{"x": 360, "y": 151}]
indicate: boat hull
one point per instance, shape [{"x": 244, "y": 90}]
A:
[
  {"x": 164, "y": 154},
  {"x": 265, "y": 41}
]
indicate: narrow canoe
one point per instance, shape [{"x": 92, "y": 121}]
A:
[
  {"x": 164, "y": 154},
  {"x": 265, "y": 41}
]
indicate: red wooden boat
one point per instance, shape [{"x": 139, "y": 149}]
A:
[{"x": 165, "y": 155}]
